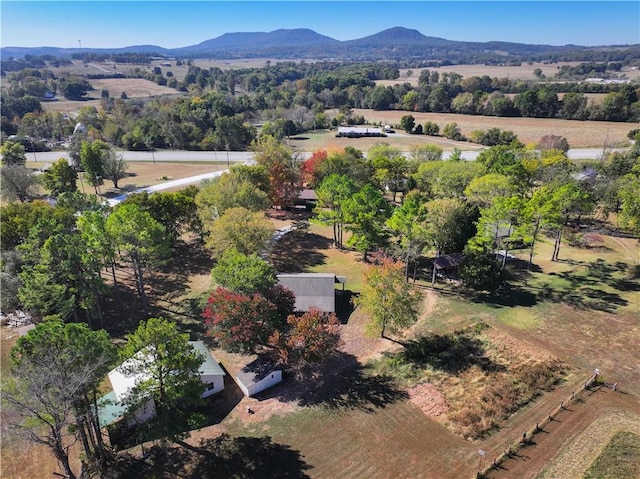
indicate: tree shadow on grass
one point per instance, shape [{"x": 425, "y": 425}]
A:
[
  {"x": 221, "y": 457},
  {"x": 171, "y": 281},
  {"x": 296, "y": 253},
  {"x": 341, "y": 383},
  {"x": 508, "y": 295},
  {"x": 452, "y": 353}
]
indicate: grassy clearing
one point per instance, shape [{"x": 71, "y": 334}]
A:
[
  {"x": 483, "y": 377},
  {"x": 580, "y": 134},
  {"x": 620, "y": 458}
]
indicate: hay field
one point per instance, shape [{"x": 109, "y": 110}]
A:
[
  {"x": 580, "y": 134},
  {"x": 133, "y": 87},
  {"x": 522, "y": 72}
]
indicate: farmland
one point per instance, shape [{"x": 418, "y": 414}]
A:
[
  {"x": 346, "y": 430},
  {"x": 587, "y": 318},
  {"x": 486, "y": 369}
]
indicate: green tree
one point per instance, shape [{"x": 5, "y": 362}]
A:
[
  {"x": 243, "y": 273},
  {"x": 13, "y": 154},
  {"x": 17, "y": 219},
  {"x": 169, "y": 366},
  {"x": 431, "y": 128},
  {"x": 332, "y": 193},
  {"x": 630, "y": 203},
  {"x": 499, "y": 159},
  {"x": 479, "y": 270},
  {"x": 60, "y": 277},
  {"x": 92, "y": 160},
  {"x": 446, "y": 179},
  {"x": 452, "y": 131},
  {"x": 241, "y": 229},
  {"x": 482, "y": 190},
  {"x": 365, "y": 215},
  {"x": 75, "y": 90},
  {"x": 227, "y": 191},
  {"x": 422, "y": 153},
  {"x": 407, "y": 122},
  {"x": 498, "y": 222},
  {"x": 445, "y": 226},
  {"x": 140, "y": 239},
  {"x": 60, "y": 178},
  {"x": 390, "y": 301},
  {"x": 407, "y": 222},
  {"x": 380, "y": 98},
  {"x": 175, "y": 211},
  {"x": 10, "y": 266},
  {"x": 390, "y": 166},
  {"x": 92, "y": 226},
  {"x": 55, "y": 371},
  {"x": 18, "y": 183},
  {"x": 565, "y": 200},
  {"x": 114, "y": 167}
]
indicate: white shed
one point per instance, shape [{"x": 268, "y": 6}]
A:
[{"x": 258, "y": 376}]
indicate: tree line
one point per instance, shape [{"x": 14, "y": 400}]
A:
[{"x": 221, "y": 104}]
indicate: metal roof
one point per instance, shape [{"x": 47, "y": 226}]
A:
[
  {"x": 109, "y": 409},
  {"x": 210, "y": 366}
]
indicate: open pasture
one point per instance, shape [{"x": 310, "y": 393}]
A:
[
  {"x": 521, "y": 72},
  {"x": 345, "y": 428},
  {"x": 580, "y": 134}
]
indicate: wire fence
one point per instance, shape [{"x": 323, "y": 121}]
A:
[{"x": 529, "y": 434}]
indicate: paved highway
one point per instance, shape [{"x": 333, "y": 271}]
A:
[{"x": 243, "y": 156}]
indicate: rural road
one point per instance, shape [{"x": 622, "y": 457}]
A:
[{"x": 242, "y": 156}]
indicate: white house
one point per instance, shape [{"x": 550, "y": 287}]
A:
[
  {"x": 258, "y": 376},
  {"x": 211, "y": 374},
  {"x": 111, "y": 406},
  {"x": 358, "y": 132}
]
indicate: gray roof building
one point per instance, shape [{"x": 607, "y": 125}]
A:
[{"x": 312, "y": 290}]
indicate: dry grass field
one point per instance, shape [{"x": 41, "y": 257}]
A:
[
  {"x": 133, "y": 87},
  {"x": 522, "y": 72},
  {"x": 580, "y": 134}
]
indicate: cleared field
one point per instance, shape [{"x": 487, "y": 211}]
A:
[
  {"x": 133, "y": 87},
  {"x": 580, "y": 134},
  {"x": 522, "y": 72}
]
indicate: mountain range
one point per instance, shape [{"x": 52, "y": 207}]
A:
[{"x": 396, "y": 43}]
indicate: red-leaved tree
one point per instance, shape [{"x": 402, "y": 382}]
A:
[
  {"x": 309, "y": 168},
  {"x": 240, "y": 322},
  {"x": 311, "y": 338}
]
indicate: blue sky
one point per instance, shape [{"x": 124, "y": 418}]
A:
[{"x": 170, "y": 24}]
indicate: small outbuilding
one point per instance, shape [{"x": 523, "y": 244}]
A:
[
  {"x": 258, "y": 376},
  {"x": 447, "y": 264},
  {"x": 312, "y": 290},
  {"x": 359, "y": 132}
]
